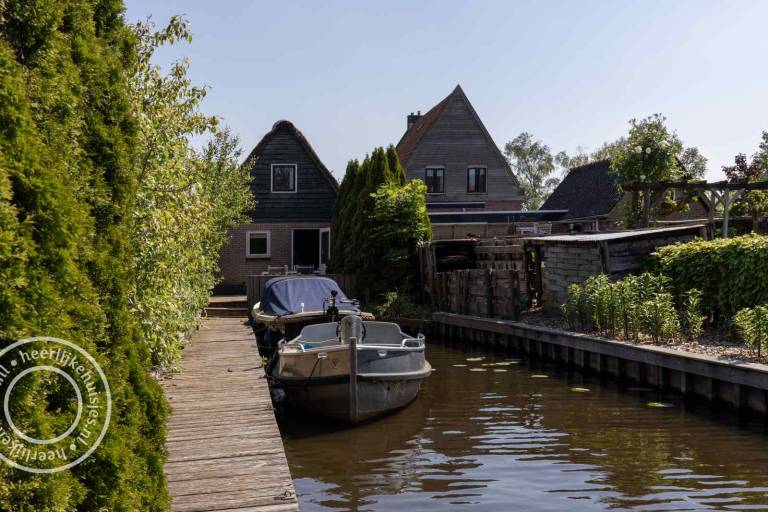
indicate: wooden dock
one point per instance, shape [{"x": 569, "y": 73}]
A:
[{"x": 225, "y": 452}]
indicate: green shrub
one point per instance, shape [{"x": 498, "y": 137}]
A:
[
  {"x": 691, "y": 319},
  {"x": 659, "y": 318},
  {"x": 577, "y": 310},
  {"x": 730, "y": 273},
  {"x": 752, "y": 324},
  {"x": 633, "y": 306},
  {"x": 398, "y": 304}
]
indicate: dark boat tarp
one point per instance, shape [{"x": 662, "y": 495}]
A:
[{"x": 284, "y": 295}]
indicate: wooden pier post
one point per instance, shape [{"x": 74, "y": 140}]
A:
[{"x": 353, "y": 379}]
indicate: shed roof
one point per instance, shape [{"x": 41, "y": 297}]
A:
[
  {"x": 590, "y": 190},
  {"x": 615, "y": 235}
]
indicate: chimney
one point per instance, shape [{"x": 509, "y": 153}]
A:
[{"x": 412, "y": 118}]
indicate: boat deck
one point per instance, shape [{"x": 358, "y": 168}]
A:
[{"x": 225, "y": 449}]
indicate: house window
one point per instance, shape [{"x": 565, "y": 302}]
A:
[
  {"x": 476, "y": 179},
  {"x": 283, "y": 177},
  {"x": 257, "y": 244},
  {"x": 434, "y": 178}
]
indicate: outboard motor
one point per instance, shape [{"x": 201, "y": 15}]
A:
[{"x": 351, "y": 326}]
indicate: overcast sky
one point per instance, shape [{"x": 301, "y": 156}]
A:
[{"x": 572, "y": 73}]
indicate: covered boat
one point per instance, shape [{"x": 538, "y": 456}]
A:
[
  {"x": 288, "y": 303},
  {"x": 351, "y": 370}
]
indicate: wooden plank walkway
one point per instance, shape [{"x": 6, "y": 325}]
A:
[{"x": 225, "y": 452}]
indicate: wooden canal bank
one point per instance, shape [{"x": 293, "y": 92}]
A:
[
  {"x": 225, "y": 449},
  {"x": 741, "y": 385}
]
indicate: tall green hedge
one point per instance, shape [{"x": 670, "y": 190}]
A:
[
  {"x": 67, "y": 190},
  {"x": 731, "y": 273}
]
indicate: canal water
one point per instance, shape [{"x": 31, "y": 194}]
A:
[{"x": 493, "y": 432}]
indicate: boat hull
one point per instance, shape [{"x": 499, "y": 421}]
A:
[{"x": 331, "y": 397}]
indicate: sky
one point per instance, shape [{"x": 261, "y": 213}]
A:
[{"x": 572, "y": 73}]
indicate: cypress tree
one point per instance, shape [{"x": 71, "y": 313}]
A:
[
  {"x": 66, "y": 183},
  {"x": 397, "y": 170},
  {"x": 341, "y": 211}
]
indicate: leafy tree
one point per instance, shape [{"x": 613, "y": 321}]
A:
[
  {"x": 567, "y": 162},
  {"x": 534, "y": 166},
  {"x": 399, "y": 223},
  {"x": 608, "y": 149},
  {"x": 649, "y": 156},
  {"x": 753, "y": 202},
  {"x": 185, "y": 199},
  {"x": 694, "y": 163},
  {"x": 761, "y": 157}
]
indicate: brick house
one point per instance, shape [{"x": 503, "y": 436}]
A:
[
  {"x": 590, "y": 194},
  {"x": 291, "y": 221},
  {"x": 470, "y": 186}
]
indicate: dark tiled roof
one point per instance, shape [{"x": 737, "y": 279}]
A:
[
  {"x": 411, "y": 138},
  {"x": 587, "y": 191}
]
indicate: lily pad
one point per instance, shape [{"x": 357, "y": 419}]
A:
[
  {"x": 580, "y": 390},
  {"x": 473, "y": 359},
  {"x": 661, "y": 405},
  {"x": 460, "y": 365},
  {"x": 539, "y": 376},
  {"x": 478, "y": 369},
  {"x": 499, "y": 370}
]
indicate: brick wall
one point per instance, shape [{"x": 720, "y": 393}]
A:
[{"x": 234, "y": 264}]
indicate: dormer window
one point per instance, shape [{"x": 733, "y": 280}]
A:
[
  {"x": 476, "y": 180},
  {"x": 434, "y": 179},
  {"x": 283, "y": 177}
]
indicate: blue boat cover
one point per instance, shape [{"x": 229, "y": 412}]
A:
[{"x": 284, "y": 295}]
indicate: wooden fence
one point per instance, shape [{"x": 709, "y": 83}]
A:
[
  {"x": 477, "y": 292},
  {"x": 254, "y": 286}
]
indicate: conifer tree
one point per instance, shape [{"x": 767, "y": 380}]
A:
[{"x": 397, "y": 170}]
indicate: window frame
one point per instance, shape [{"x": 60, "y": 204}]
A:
[
  {"x": 485, "y": 179},
  {"x": 272, "y": 178},
  {"x": 434, "y": 168},
  {"x": 265, "y": 255}
]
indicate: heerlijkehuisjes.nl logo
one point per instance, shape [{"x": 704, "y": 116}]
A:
[{"x": 65, "y": 391}]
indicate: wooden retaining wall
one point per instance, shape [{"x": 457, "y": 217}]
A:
[
  {"x": 740, "y": 385},
  {"x": 486, "y": 293}
]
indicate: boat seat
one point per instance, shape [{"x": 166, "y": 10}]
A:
[
  {"x": 386, "y": 333},
  {"x": 317, "y": 333}
]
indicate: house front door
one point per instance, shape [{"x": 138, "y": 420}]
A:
[{"x": 325, "y": 248}]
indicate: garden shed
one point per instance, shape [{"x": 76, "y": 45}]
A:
[{"x": 555, "y": 262}]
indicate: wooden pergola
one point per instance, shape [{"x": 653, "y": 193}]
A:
[{"x": 720, "y": 193}]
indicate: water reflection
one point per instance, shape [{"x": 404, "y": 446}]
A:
[{"x": 511, "y": 440}]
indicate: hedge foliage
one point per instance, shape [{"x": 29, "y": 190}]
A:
[
  {"x": 731, "y": 273},
  {"x": 73, "y": 207}
]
